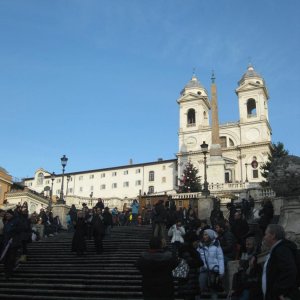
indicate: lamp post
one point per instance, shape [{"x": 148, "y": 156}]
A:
[
  {"x": 51, "y": 191},
  {"x": 205, "y": 190},
  {"x": 246, "y": 166},
  {"x": 64, "y": 161},
  {"x": 68, "y": 179},
  {"x": 91, "y": 200}
]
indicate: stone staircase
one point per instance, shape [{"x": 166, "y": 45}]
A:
[{"x": 53, "y": 272}]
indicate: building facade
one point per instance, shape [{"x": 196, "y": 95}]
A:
[
  {"x": 5, "y": 184},
  {"x": 244, "y": 144}
]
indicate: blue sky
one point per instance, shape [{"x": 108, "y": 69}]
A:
[{"x": 98, "y": 80}]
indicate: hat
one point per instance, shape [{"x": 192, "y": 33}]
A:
[{"x": 211, "y": 233}]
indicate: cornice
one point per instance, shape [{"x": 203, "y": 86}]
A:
[{"x": 27, "y": 194}]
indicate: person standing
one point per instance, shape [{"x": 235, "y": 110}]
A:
[
  {"x": 135, "y": 210},
  {"x": 78, "y": 242},
  {"x": 176, "y": 232},
  {"x": 212, "y": 256},
  {"x": 156, "y": 267},
  {"x": 98, "y": 230},
  {"x": 279, "y": 279},
  {"x": 108, "y": 221},
  {"x": 12, "y": 241}
]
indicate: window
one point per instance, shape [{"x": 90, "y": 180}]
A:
[
  {"x": 137, "y": 171},
  {"x": 138, "y": 182},
  {"x": 126, "y": 184},
  {"x": 70, "y": 190},
  {"x": 57, "y": 192},
  {"x": 125, "y": 172},
  {"x": 231, "y": 143},
  {"x": 91, "y": 188},
  {"x": 91, "y": 176},
  {"x": 251, "y": 108},
  {"x": 204, "y": 115},
  {"x": 80, "y": 177},
  {"x": 150, "y": 189},
  {"x": 40, "y": 178},
  {"x": 191, "y": 117},
  {"x": 58, "y": 180},
  {"x": 163, "y": 180},
  {"x": 81, "y": 189},
  {"x": 255, "y": 173},
  {"x": 151, "y": 176},
  {"x": 114, "y": 174},
  {"x": 180, "y": 203},
  {"x": 114, "y": 186},
  {"x": 102, "y": 187},
  {"x": 102, "y": 175},
  {"x": 163, "y": 167}
]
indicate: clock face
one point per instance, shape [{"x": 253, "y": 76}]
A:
[{"x": 191, "y": 142}]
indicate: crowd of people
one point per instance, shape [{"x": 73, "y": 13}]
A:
[
  {"x": 206, "y": 246},
  {"x": 18, "y": 228},
  {"x": 208, "y": 250}
]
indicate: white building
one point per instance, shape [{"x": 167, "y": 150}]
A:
[{"x": 245, "y": 146}]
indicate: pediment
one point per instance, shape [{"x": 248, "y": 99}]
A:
[
  {"x": 230, "y": 161},
  {"x": 249, "y": 86}
]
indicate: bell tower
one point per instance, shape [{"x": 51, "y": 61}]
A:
[
  {"x": 194, "y": 127},
  {"x": 253, "y": 108}
]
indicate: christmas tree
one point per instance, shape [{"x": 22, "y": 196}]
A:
[{"x": 190, "y": 182}]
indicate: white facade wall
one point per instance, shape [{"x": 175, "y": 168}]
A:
[{"x": 122, "y": 182}]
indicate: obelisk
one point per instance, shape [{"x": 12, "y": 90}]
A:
[{"x": 216, "y": 163}]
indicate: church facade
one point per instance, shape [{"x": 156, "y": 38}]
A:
[
  {"x": 244, "y": 144},
  {"x": 235, "y": 150}
]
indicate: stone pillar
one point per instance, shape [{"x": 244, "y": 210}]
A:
[
  {"x": 284, "y": 179},
  {"x": 61, "y": 211},
  {"x": 205, "y": 206}
]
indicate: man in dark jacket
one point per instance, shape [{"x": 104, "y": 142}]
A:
[
  {"x": 227, "y": 241},
  {"x": 156, "y": 266},
  {"x": 279, "y": 279},
  {"x": 11, "y": 242},
  {"x": 98, "y": 230}
]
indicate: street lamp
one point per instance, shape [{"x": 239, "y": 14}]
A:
[
  {"x": 91, "y": 198},
  {"x": 68, "y": 179},
  {"x": 205, "y": 190},
  {"x": 51, "y": 191},
  {"x": 246, "y": 165},
  {"x": 64, "y": 161}
]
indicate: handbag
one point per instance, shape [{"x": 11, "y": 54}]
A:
[
  {"x": 214, "y": 280},
  {"x": 182, "y": 270}
]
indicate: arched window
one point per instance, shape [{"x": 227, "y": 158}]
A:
[
  {"x": 204, "y": 115},
  {"x": 231, "y": 143},
  {"x": 191, "y": 117},
  {"x": 40, "y": 178},
  {"x": 151, "y": 176},
  {"x": 251, "y": 108}
]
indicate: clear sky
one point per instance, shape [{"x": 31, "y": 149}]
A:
[{"x": 98, "y": 80}]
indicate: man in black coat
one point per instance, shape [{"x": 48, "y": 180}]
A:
[
  {"x": 279, "y": 279},
  {"x": 98, "y": 230},
  {"x": 156, "y": 266}
]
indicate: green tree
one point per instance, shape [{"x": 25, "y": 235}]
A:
[
  {"x": 277, "y": 151},
  {"x": 190, "y": 182}
]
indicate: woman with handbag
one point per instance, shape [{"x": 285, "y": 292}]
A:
[
  {"x": 212, "y": 271},
  {"x": 188, "y": 288}
]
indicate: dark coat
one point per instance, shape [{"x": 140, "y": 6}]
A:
[
  {"x": 97, "y": 224},
  {"x": 190, "y": 286},
  {"x": 13, "y": 229},
  {"x": 156, "y": 267},
  {"x": 281, "y": 272},
  {"x": 228, "y": 244},
  {"x": 107, "y": 218},
  {"x": 78, "y": 242}
]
